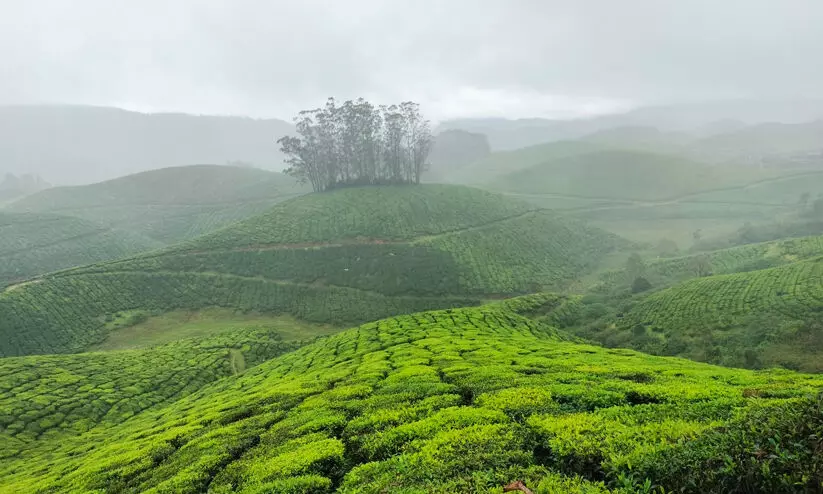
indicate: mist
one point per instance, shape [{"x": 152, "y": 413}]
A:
[{"x": 457, "y": 59}]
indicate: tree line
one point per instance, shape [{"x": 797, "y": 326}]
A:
[{"x": 358, "y": 143}]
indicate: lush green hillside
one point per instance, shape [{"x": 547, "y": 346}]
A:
[
  {"x": 33, "y": 244},
  {"x": 621, "y": 175},
  {"x": 343, "y": 257},
  {"x": 462, "y": 400},
  {"x": 750, "y": 257},
  {"x": 758, "y": 318},
  {"x": 169, "y": 204},
  {"x": 47, "y": 396}
]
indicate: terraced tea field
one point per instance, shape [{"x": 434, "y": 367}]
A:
[
  {"x": 47, "y": 396},
  {"x": 33, "y": 244},
  {"x": 343, "y": 257},
  {"x": 463, "y": 400}
]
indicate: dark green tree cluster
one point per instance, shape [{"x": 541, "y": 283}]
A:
[{"x": 358, "y": 143}]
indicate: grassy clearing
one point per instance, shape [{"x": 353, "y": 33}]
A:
[
  {"x": 461, "y": 400},
  {"x": 180, "y": 324}
]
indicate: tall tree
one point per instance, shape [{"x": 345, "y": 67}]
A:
[{"x": 358, "y": 143}]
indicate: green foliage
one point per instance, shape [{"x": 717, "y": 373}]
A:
[
  {"x": 343, "y": 257},
  {"x": 47, "y": 395},
  {"x": 760, "y": 318},
  {"x": 40, "y": 318},
  {"x": 33, "y": 244},
  {"x": 464, "y": 400}
]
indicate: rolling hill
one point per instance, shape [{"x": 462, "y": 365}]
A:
[
  {"x": 501, "y": 163},
  {"x": 464, "y": 400},
  {"x": 346, "y": 256},
  {"x": 767, "y": 143},
  {"x": 33, "y": 244},
  {"x": 625, "y": 175},
  {"x": 169, "y": 204},
  {"x": 763, "y": 317}
]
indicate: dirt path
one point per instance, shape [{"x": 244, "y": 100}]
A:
[{"x": 237, "y": 361}]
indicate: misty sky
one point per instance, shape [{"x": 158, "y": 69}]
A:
[{"x": 515, "y": 58}]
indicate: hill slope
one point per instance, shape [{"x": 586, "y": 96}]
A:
[
  {"x": 169, "y": 204},
  {"x": 33, "y": 244},
  {"x": 621, "y": 175},
  {"x": 767, "y": 317},
  {"x": 500, "y": 163},
  {"x": 90, "y": 144},
  {"x": 346, "y": 256},
  {"x": 451, "y": 401}
]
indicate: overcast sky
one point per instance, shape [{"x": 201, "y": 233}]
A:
[{"x": 515, "y": 58}]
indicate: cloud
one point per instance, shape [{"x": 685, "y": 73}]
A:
[{"x": 457, "y": 57}]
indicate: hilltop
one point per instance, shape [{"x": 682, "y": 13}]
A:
[
  {"x": 169, "y": 204},
  {"x": 33, "y": 244},
  {"x": 346, "y": 256},
  {"x": 91, "y": 144},
  {"x": 461, "y": 400}
]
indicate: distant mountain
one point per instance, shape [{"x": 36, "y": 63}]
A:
[
  {"x": 765, "y": 144},
  {"x": 512, "y": 134},
  {"x": 454, "y": 149},
  {"x": 641, "y": 138},
  {"x": 69, "y": 145},
  {"x": 13, "y": 187}
]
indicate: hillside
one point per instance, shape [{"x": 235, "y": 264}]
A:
[
  {"x": 347, "y": 256},
  {"x": 501, "y": 163},
  {"x": 464, "y": 400},
  {"x": 767, "y": 143},
  {"x": 169, "y": 204},
  {"x": 91, "y": 144},
  {"x": 89, "y": 389},
  {"x": 621, "y": 175},
  {"x": 755, "y": 316},
  {"x": 33, "y": 244},
  {"x": 640, "y": 138}
]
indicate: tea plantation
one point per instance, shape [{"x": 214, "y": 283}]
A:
[
  {"x": 464, "y": 400},
  {"x": 33, "y": 244},
  {"x": 47, "y": 395},
  {"x": 344, "y": 257}
]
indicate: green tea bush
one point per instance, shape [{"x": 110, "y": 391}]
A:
[{"x": 457, "y": 400}]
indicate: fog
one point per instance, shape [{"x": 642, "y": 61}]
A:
[{"x": 512, "y": 58}]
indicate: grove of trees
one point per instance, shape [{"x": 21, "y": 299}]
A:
[{"x": 358, "y": 143}]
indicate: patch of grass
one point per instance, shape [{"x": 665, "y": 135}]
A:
[{"x": 180, "y": 324}]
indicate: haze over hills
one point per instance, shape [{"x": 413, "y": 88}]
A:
[
  {"x": 169, "y": 204},
  {"x": 506, "y": 134},
  {"x": 90, "y": 144}
]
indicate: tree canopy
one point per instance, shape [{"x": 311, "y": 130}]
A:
[{"x": 358, "y": 143}]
